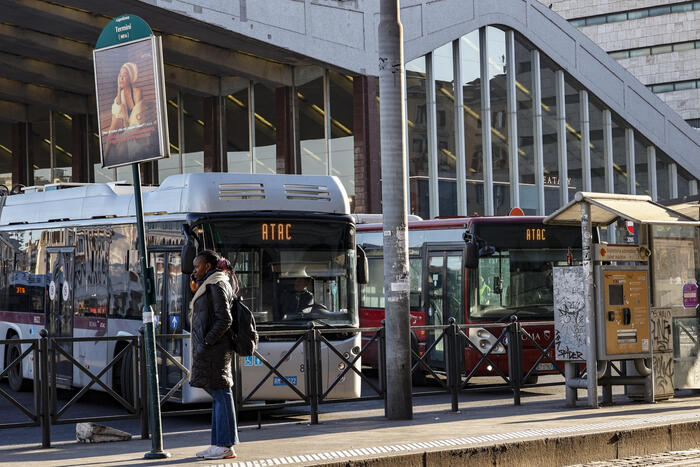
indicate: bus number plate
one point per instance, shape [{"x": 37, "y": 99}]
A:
[{"x": 277, "y": 381}]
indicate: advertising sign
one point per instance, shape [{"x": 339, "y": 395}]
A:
[{"x": 130, "y": 98}]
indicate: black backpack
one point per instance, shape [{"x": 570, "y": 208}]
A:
[{"x": 243, "y": 333}]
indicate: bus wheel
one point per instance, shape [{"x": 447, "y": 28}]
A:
[
  {"x": 126, "y": 376},
  {"x": 14, "y": 375}
]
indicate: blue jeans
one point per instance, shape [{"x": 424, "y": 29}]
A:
[{"x": 224, "y": 431}]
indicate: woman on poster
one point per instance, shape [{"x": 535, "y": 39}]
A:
[{"x": 127, "y": 103}]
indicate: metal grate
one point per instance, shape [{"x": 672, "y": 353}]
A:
[
  {"x": 235, "y": 191},
  {"x": 307, "y": 192}
]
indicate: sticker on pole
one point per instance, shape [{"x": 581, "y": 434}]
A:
[
  {"x": 65, "y": 291},
  {"x": 148, "y": 317},
  {"x": 690, "y": 295}
]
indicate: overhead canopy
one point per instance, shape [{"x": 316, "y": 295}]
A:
[
  {"x": 691, "y": 209},
  {"x": 607, "y": 208}
]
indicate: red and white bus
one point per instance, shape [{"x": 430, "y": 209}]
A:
[{"x": 513, "y": 277}]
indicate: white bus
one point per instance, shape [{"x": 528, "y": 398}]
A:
[{"x": 69, "y": 264}]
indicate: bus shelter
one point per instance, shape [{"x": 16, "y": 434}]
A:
[{"x": 664, "y": 243}]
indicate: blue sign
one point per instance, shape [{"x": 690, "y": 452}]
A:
[
  {"x": 252, "y": 361},
  {"x": 277, "y": 381},
  {"x": 174, "y": 321}
]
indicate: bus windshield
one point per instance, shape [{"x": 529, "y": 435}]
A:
[
  {"x": 517, "y": 282},
  {"x": 292, "y": 271}
]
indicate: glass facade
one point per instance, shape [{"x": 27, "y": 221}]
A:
[
  {"x": 525, "y": 142},
  {"x": 641, "y": 166},
  {"x": 315, "y": 121},
  {"x": 237, "y": 135},
  {"x": 573, "y": 137},
  {"x": 445, "y": 129},
  {"x": 417, "y": 136},
  {"x": 497, "y": 66},
  {"x": 549, "y": 135},
  {"x": 63, "y": 128},
  {"x": 597, "y": 144},
  {"x": 193, "y": 133},
  {"x": 40, "y": 150},
  {"x": 265, "y": 149},
  {"x": 6, "y": 154},
  {"x": 619, "y": 146},
  {"x": 471, "y": 92},
  {"x": 342, "y": 141},
  {"x": 312, "y": 115},
  {"x": 663, "y": 176}
]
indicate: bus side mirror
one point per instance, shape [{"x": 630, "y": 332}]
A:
[
  {"x": 472, "y": 259},
  {"x": 189, "y": 252},
  {"x": 362, "y": 272}
]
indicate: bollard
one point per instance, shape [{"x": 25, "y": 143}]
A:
[
  {"x": 570, "y": 372},
  {"x": 515, "y": 358},
  {"x": 44, "y": 389},
  {"x": 237, "y": 384},
  {"x": 143, "y": 406},
  {"x": 312, "y": 372},
  {"x": 452, "y": 367}
]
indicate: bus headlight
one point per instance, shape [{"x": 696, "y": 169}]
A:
[{"x": 484, "y": 341}]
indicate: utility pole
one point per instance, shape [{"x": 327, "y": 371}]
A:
[{"x": 399, "y": 403}]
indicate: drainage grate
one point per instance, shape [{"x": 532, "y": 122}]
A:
[{"x": 235, "y": 191}]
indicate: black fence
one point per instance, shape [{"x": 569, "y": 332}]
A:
[{"x": 441, "y": 363}]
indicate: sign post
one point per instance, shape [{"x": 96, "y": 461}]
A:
[{"x": 131, "y": 113}]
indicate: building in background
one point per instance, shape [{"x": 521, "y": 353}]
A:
[
  {"x": 658, "y": 41},
  {"x": 507, "y": 104}
]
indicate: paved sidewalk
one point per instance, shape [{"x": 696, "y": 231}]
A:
[{"x": 359, "y": 432}]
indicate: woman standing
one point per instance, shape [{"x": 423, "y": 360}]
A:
[{"x": 212, "y": 350}]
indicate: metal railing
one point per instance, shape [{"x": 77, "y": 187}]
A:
[
  {"x": 442, "y": 362},
  {"x": 34, "y": 416}
]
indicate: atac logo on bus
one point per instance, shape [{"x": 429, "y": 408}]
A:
[{"x": 272, "y": 231}]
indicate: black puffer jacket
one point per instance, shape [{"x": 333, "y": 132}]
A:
[{"x": 212, "y": 349}]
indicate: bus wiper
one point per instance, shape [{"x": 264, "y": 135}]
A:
[{"x": 318, "y": 321}]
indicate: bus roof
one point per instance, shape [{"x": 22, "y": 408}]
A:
[
  {"x": 455, "y": 223},
  {"x": 182, "y": 194}
]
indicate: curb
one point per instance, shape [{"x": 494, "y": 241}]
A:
[{"x": 561, "y": 450}]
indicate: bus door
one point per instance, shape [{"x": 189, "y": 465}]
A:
[
  {"x": 59, "y": 307},
  {"x": 169, "y": 312},
  {"x": 443, "y": 297}
]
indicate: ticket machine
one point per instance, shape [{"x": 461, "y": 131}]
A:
[{"x": 622, "y": 312}]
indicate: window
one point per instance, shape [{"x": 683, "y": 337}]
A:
[
  {"x": 236, "y": 138},
  {"x": 342, "y": 143}
]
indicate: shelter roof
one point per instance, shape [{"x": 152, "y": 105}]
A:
[{"x": 607, "y": 208}]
